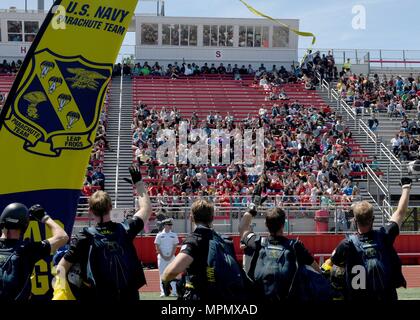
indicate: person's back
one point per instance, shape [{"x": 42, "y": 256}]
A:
[
  {"x": 18, "y": 259},
  {"x": 111, "y": 270},
  {"x": 372, "y": 267},
  {"x": 284, "y": 255},
  {"x": 278, "y": 264},
  {"x": 197, "y": 246},
  {"x": 208, "y": 261},
  {"x": 17, "y": 256}
]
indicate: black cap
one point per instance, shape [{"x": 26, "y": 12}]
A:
[{"x": 15, "y": 216}]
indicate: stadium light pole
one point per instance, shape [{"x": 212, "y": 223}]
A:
[{"x": 26, "y": 5}]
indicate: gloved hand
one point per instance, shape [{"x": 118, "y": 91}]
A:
[
  {"x": 406, "y": 182},
  {"x": 38, "y": 213},
  {"x": 326, "y": 267},
  {"x": 252, "y": 209},
  {"x": 135, "y": 175}
]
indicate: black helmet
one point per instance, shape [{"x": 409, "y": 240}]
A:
[{"x": 15, "y": 216}]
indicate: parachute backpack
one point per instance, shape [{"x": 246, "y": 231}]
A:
[
  {"x": 11, "y": 270},
  {"x": 275, "y": 269},
  {"x": 280, "y": 277},
  {"x": 112, "y": 265},
  {"x": 225, "y": 277},
  {"x": 376, "y": 261},
  {"x": 12, "y": 266}
]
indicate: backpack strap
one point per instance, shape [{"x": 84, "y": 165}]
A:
[
  {"x": 92, "y": 232},
  {"x": 11, "y": 252},
  {"x": 14, "y": 252},
  {"x": 357, "y": 244},
  {"x": 89, "y": 272},
  {"x": 264, "y": 242},
  {"x": 254, "y": 259},
  {"x": 292, "y": 244}
]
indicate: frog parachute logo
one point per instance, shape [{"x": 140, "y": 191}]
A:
[
  {"x": 34, "y": 99},
  {"x": 58, "y": 104}
]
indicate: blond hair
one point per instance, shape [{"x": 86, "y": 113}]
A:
[
  {"x": 202, "y": 212},
  {"x": 363, "y": 213},
  {"x": 100, "y": 203}
]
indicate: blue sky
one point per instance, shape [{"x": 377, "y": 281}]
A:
[{"x": 389, "y": 24}]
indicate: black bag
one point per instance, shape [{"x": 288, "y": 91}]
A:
[
  {"x": 225, "y": 278},
  {"x": 112, "y": 266},
  {"x": 311, "y": 285},
  {"x": 12, "y": 270},
  {"x": 275, "y": 269},
  {"x": 381, "y": 263},
  {"x": 280, "y": 276}
]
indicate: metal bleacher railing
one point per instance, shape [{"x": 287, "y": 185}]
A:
[
  {"x": 357, "y": 123},
  {"x": 323, "y": 216},
  {"x": 375, "y": 58},
  {"x": 301, "y": 212},
  {"x": 382, "y": 194}
]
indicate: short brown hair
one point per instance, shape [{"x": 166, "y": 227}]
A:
[
  {"x": 202, "y": 211},
  {"x": 363, "y": 213},
  {"x": 100, "y": 203},
  {"x": 275, "y": 220}
]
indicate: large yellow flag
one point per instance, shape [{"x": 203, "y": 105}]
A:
[{"x": 48, "y": 124}]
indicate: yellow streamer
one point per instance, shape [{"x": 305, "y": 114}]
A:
[{"x": 299, "y": 33}]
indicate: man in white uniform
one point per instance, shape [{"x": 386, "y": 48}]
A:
[{"x": 166, "y": 242}]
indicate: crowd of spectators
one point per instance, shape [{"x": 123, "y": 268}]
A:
[
  {"x": 393, "y": 96},
  {"x": 307, "y": 153},
  {"x": 175, "y": 71},
  {"x": 95, "y": 178},
  {"x": 10, "y": 68}
]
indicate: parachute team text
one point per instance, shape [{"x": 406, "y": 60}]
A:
[{"x": 114, "y": 15}]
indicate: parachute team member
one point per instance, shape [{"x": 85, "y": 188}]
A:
[
  {"x": 18, "y": 256},
  {"x": 111, "y": 270},
  {"x": 371, "y": 265},
  {"x": 208, "y": 261},
  {"x": 279, "y": 266},
  {"x": 166, "y": 242}
]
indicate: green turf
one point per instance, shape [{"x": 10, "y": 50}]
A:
[
  {"x": 409, "y": 294},
  {"x": 154, "y": 296},
  {"x": 403, "y": 294}
]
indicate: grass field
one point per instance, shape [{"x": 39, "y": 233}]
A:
[{"x": 403, "y": 294}]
